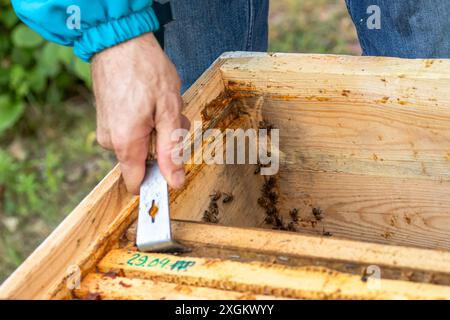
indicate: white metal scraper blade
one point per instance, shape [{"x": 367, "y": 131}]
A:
[{"x": 154, "y": 234}]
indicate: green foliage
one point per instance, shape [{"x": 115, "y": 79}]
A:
[
  {"x": 24, "y": 37},
  {"x": 9, "y": 111},
  {"x": 33, "y": 70},
  {"x": 43, "y": 176},
  {"x": 46, "y": 165}
]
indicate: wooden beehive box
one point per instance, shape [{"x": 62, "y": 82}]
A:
[{"x": 365, "y": 145}]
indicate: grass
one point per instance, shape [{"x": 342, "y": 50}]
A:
[
  {"x": 50, "y": 161},
  {"x": 44, "y": 174}
]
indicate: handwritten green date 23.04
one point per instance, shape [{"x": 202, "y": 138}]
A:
[{"x": 139, "y": 260}]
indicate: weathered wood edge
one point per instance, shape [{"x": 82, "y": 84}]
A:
[{"x": 257, "y": 62}]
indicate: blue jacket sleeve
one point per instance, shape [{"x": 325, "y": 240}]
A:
[{"x": 90, "y": 26}]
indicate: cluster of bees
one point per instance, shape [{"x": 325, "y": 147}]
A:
[
  {"x": 317, "y": 216},
  {"x": 211, "y": 215},
  {"x": 269, "y": 201}
]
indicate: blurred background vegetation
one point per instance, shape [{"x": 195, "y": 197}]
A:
[{"x": 49, "y": 159}]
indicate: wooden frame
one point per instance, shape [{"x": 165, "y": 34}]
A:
[{"x": 346, "y": 164}]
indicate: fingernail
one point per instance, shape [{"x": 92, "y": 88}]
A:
[{"x": 178, "y": 178}]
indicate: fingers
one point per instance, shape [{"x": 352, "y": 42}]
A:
[
  {"x": 131, "y": 154},
  {"x": 169, "y": 118},
  {"x": 131, "y": 151}
]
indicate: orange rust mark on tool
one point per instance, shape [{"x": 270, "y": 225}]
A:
[{"x": 153, "y": 211}]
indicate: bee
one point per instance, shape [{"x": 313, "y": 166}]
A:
[
  {"x": 273, "y": 197},
  {"x": 291, "y": 226},
  {"x": 206, "y": 216},
  {"x": 213, "y": 209},
  {"x": 213, "y": 205},
  {"x": 317, "y": 213},
  {"x": 326, "y": 233},
  {"x": 272, "y": 211},
  {"x": 227, "y": 197},
  {"x": 210, "y": 217},
  {"x": 271, "y": 182},
  {"x": 215, "y": 195},
  {"x": 279, "y": 222},
  {"x": 269, "y": 220},
  {"x": 294, "y": 214},
  {"x": 268, "y": 201},
  {"x": 264, "y": 202}
]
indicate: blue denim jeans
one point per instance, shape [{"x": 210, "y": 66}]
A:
[
  {"x": 204, "y": 29},
  {"x": 408, "y": 28}
]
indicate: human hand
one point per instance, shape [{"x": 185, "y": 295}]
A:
[{"x": 137, "y": 89}]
